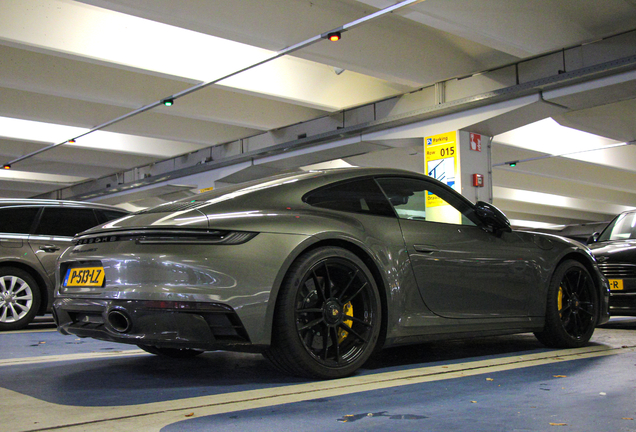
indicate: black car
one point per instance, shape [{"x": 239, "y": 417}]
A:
[
  {"x": 615, "y": 251},
  {"x": 33, "y": 234}
]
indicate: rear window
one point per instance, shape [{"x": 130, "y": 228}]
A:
[
  {"x": 66, "y": 221},
  {"x": 108, "y": 215},
  {"x": 17, "y": 220},
  {"x": 358, "y": 196}
]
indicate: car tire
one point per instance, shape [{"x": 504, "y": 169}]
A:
[
  {"x": 328, "y": 315},
  {"x": 20, "y": 298},
  {"x": 571, "y": 309},
  {"x": 181, "y": 353}
]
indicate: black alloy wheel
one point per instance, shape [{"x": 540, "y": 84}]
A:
[
  {"x": 327, "y": 319},
  {"x": 572, "y": 308}
]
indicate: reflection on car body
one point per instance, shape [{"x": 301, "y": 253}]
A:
[
  {"x": 33, "y": 234},
  {"x": 615, "y": 251},
  {"x": 316, "y": 270}
]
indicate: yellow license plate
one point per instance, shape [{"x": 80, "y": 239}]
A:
[
  {"x": 616, "y": 284},
  {"x": 85, "y": 277}
]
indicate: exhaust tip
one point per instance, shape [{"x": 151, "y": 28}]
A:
[{"x": 119, "y": 321}]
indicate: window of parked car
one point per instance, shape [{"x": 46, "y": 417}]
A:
[
  {"x": 17, "y": 220},
  {"x": 65, "y": 221},
  {"x": 417, "y": 199},
  {"x": 358, "y": 196},
  {"x": 621, "y": 228},
  {"x": 107, "y": 215}
]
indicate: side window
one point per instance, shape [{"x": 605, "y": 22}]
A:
[
  {"x": 17, "y": 220},
  {"x": 108, "y": 215},
  {"x": 416, "y": 199},
  {"x": 65, "y": 221},
  {"x": 358, "y": 196}
]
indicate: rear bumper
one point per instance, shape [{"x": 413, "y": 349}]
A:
[{"x": 168, "y": 324}]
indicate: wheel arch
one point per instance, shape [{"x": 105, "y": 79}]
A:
[
  {"x": 39, "y": 279},
  {"x": 565, "y": 330},
  {"x": 345, "y": 243},
  {"x": 587, "y": 262}
]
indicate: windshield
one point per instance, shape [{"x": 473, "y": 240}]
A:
[{"x": 621, "y": 228}]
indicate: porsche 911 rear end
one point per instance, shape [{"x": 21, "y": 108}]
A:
[{"x": 170, "y": 288}]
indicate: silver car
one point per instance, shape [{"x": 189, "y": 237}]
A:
[
  {"x": 317, "y": 270},
  {"x": 33, "y": 234}
]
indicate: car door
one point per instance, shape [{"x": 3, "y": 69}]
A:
[{"x": 461, "y": 270}]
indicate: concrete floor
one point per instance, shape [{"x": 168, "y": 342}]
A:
[{"x": 54, "y": 382}]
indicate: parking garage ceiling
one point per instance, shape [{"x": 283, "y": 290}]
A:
[{"x": 68, "y": 66}]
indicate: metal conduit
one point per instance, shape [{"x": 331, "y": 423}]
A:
[{"x": 203, "y": 85}]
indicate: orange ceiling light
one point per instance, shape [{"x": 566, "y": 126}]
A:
[{"x": 334, "y": 36}]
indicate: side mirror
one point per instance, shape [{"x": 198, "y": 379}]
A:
[
  {"x": 492, "y": 218},
  {"x": 593, "y": 238}
]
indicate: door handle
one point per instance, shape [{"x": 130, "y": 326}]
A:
[
  {"x": 49, "y": 248},
  {"x": 427, "y": 249}
]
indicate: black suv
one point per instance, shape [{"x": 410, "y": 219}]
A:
[{"x": 33, "y": 233}]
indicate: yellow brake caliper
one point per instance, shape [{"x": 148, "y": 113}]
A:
[
  {"x": 348, "y": 311},
  {"x": 560, "y": 300}
]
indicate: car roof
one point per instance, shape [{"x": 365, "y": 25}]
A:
[
  {"x": 302, "y": 182},
  {"x": 7, "y": 202},
  {"x": 321, "y": 176}
]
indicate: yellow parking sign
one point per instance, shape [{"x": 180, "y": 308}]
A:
[{"x": 441, "y": 162}]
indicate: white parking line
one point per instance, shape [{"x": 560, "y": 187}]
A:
[
  {"x": 31, "y": 330},
  {"x": 69, "y": 357}
]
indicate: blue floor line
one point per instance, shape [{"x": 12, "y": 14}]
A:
[
  {"x": 572, "y": 394},
  {"x": 144, "y": 379}
]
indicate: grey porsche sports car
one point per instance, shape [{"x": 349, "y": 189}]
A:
[{"x": 317, "y": 270}]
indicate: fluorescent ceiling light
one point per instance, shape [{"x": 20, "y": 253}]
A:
[
  {"x": 95, "y": 33},
  {"x": 552, "y": 200},
  {"x": 115, "y": 38},
  {"x": 13, "y": 175},
  {"x": 49, "y": 133},
  {"x": 28, "y": 130},
  {"x": 547, "y": 136}
]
